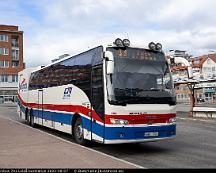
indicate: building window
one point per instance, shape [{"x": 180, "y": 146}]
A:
[
  {"x": 15, "y": 54},
  {"x": 4, "y": 78},
  {"x": 4, "y": 38},
  {"x": 15, "y": 63},
  {"x": 208, "y": 61},
  {"x": 15, "y": 41},
  {"x": 4, "y": 64},
  {"x": 4, "y": 51},
  {"x": 15, "y": 78},
  {"x": 213, "y": 68}
]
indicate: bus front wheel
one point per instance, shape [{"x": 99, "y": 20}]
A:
[{"x": 78, "y": 132}]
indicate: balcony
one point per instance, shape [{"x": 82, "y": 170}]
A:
[
  {"x": 15, "y": 41},
  {"x": 15, "y": 55},
  {"x": 15, "y": 63},
  {"x": 15, "y": 44},
  {"x": 15, "y": 58}
]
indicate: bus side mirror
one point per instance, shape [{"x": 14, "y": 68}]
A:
[
  {"x": 109, "y": 62},
  {"x": 110, "y": 67}
]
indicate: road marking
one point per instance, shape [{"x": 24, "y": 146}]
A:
[{"x": 90, "y": 149}]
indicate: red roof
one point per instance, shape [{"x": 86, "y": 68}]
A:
[
  {"x": 202, "y": 59},
  {"x": 213, "y": 57},
  {"x": 197, "y": 62}
]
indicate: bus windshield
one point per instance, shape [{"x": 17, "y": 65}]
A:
[{"x": 140, "y": 76}]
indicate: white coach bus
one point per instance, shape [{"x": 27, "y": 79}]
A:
[{"x": 117, "y": 94}]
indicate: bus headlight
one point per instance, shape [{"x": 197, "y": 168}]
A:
[
  {"x": 119, "y": 121},
  {"x": 172, "y": 120}
]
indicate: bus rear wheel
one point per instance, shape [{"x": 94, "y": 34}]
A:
[{"x": 78, "y": 133}]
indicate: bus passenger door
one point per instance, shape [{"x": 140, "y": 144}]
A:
[
  {"x": 97, "y": 100},
  {"x": 40, "y": 107}
]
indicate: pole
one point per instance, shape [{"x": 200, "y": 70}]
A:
[{"x": 191, "y": 87}]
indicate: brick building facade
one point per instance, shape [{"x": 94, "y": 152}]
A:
[{"x": 11, "y": 61}]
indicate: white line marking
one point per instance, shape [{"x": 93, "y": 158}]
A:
[{"x": 90, "y": 149}]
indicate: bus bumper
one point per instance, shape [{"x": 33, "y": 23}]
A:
[{"x": 116, "y": 135}]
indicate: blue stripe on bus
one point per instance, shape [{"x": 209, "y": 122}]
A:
[{"x": 53, "y": 116}]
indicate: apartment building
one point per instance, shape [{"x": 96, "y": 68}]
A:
[{"x": 11, "y": 61}]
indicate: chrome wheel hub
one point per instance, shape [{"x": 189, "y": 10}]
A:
[{"x": 79, "y": 131}]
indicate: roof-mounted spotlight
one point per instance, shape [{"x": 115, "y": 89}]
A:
[
  {"x": 118, "y": 42},
  {"x": 158, "y": 46},
  {"x": 126, "y": 42},
  {"x": 152, "y": 46}
]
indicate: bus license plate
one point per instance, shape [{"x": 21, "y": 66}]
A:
[{"x": 151, "y": 134}]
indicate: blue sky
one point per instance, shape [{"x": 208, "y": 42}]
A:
[{"x": 54, "y": 27}]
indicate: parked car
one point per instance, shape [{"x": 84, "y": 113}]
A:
[{"x": 200, "y": 99}]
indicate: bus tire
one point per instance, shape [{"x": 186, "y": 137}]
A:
[{"x": 78, "y": 133}]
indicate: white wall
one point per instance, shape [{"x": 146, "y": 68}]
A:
[{"x": 208, "y": 68}]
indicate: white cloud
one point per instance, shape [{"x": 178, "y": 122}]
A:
[{"x": 52, "y": 28}]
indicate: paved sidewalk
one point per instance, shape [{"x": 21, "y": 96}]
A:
[{"x": 25, "y": 147}]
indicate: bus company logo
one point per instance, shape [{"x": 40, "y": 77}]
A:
[
  {"x": 67, "y": 92},
  {"x": 23, "y": 85}
]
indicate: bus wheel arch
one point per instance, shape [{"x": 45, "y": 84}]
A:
[{"x": 75, "y": 116}]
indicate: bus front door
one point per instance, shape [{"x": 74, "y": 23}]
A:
[
  {"x": 97, "y": 100},
  {"x": 40, "y": 107}
]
